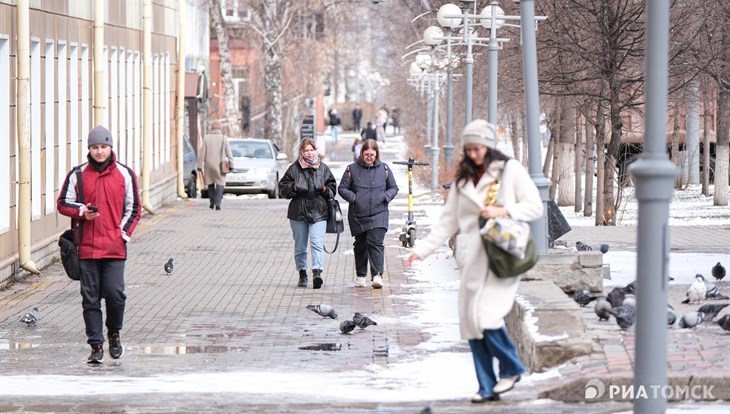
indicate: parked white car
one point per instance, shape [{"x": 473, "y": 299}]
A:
[{"x": 257, "y": 166}]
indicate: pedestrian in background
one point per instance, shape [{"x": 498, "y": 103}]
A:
[
  {"x": 215, "y": 149},
  {"x": 368, "y": 186},
  {"x": 395, "y": 120},
  {"x": 484, "y": 299},
  {"x": 310, "y": 185},
  {"x": 369, "y": 132},
  {"x": 334, "y": 124},
  {"x": 108, "y": 214},
  {"x": 356, "y": 117},
  {"x": 356, "y": 148}
]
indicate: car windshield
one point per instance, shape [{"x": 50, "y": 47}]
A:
[{"x": 251, "y": 149}]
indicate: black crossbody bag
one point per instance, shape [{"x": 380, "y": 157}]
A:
[{"x": 71, "y": 238}]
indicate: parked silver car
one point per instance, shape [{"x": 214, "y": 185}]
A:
[{"x": 257, "y": 166}]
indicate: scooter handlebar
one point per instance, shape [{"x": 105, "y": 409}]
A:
[{"x": 410, "y": 163}]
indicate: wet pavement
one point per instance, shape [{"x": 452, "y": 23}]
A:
[{"x": 228, "y": 330}]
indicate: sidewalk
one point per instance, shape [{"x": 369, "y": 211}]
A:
[{"x": 228, "y": 330}]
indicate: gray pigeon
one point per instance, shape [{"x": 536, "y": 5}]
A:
[
  {"x": 724, "y": 322},
  {"x": 671, "y": 316},
  {"x": 362, "y": 321},
  {"x": 602, "y": 247},
  {"x": 168, "y": 266},
  {"x": 712, "y": 292},
  {"x": 583, "y": 297},
  {"x": 630, "y": 289},
  {"x": 691, "y": 320},
  {"x": 711, "y": 310},
  {"x": 602, "y": 309},
  {"x": 625, "y": 316},
  {"x": 718, "y": 272},
  {"x": 326, "y": 311},
  {"x": 347, "y": 326},
  {"x": 31, "y": 317},
  {"x": 616, "y": 297},
  {"x": 630, "y": 300}
]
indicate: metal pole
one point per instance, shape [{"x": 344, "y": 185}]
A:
[
  {"x": 654, "y": 175},
  {"x": 493, "y": 68},
  {"x": 435, "y": 147},
  {"x": 429, "y": 111},
  {"x": 469, "y": 70},
  {"x": 449, "y": 147},
  {"x": 532, "y": 112}
]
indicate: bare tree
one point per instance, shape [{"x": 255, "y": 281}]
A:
[{"x": 218, "y": 26}]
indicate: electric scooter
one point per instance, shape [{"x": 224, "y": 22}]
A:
[{"x": 408, "y": 234}]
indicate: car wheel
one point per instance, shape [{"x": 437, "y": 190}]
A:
[
  {"x": 275, "y": 192},
  {"x": 192, "y": 189}
]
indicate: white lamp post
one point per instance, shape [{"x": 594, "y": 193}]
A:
[{"x": 491, "y": 21}]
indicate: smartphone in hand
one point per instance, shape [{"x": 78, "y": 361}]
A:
[{"x": 93, "y": 209}]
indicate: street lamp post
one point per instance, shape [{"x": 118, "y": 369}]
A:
[
  {"x": 449, "y": 147},
  {"x": 491, "y": 22}
]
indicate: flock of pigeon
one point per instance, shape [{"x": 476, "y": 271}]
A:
[
  {"x": 621, "y": 303},
  {"x": 358, "y": 319}
]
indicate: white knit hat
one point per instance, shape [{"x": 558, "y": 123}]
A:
[{"x": 479, "y": 132}]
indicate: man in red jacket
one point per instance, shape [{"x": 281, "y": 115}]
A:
[{"x": 107, "y": 212}]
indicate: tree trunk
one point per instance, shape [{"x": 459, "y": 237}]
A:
[
  {"x": 233, "y": 127},
  {"x": 525, "y": 150},
  {"x": 555, "y": 140},
  {"x": 675, "y": 145},
  {"x": 600, "y": 167},
  {"x": 590, "y": 158},
  {"x": 548, "y": 157},
  {"x": 722, "y": 148},
  {"x": 692, "y": 137},
  {"x": 273, "y": 122},
  {"x": 706, "y": 140},
  {"x": 566, "y": 168},
  {"x": 578, "y": 162},
  {"x": 516, "y": 133},
  {"x": 612, "y": 153}
]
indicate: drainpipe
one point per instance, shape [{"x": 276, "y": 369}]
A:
[
  {"x": 99, "y": 63},
  {"x": 180, "y": 97},
  {"x": 147, "y": 103},
  {"x": 23, "y": 121}
]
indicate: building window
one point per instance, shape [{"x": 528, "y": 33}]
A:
[
  {"x": 73, "y": 109},
  {"x": 35, "y": 130},
  {"x": 49, "y": 125},
  {"x": 121, "y": 144},
  {"x": 5, "y": 134},
  {"x": 62, "y": 105},
  {"x": 113, "y": 102},
  {"x": 166, "y": 106},
  {"x": 85, "y": 110}
]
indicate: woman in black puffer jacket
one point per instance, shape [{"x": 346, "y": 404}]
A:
[{"x": 310, "y": 185}]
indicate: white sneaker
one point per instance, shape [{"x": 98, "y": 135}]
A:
[
  {"x": 360, "y": 282},
  {"x": 377, "y": 282}
]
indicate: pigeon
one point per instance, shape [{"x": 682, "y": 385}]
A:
[
  {"x": 326, "y": 311},
  {"x": 671, "y": 316},
  {"x": 168, "y": 266},
  {"x": 630, "y": 289},
  {"x": 724, "y": 322},
  {"x": 616, "y": 297},
  {"x": 583, "y": 297},
  {"x": 580, "y": 246},
  {"x": 630, "y": 300},
  {"x": 691, "y": 320},
  {"x": 362, "y": 321},
  {"x": 712, "y": 292},
  {"x": 711, "y": 310},
  {"x": 347, "y": 326},
  {"x": 31, "y": 317},
  {"x": 718, "y": 272},
  {"x": 625, "y": 316},
  {"x": 697, "y": 290},
  {"x": 602, "y": 309}
]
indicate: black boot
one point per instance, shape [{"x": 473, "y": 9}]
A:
[
  {"x": 317, "y": 282},
  {"x": 302, "y": 279}
]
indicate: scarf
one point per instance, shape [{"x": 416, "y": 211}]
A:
[{"x": 305, "y": 162}]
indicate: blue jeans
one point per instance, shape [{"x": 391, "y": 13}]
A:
[
  {"x": 333, "y": 131},
  {"x": 495, "y": 344},
  {"x": 102, "y": 278},
  {"x": 308, "y": 233}
]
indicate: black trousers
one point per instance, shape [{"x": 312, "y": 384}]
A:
[
  {"x": 369, "y": 247},
  {"x": 102, "y": 278}
]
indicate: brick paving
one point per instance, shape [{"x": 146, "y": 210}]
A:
[{"x": 232, "y": 304}]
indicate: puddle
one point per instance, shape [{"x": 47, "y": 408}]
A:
[
  {"x": 6, "y": 345},
  {"x": 190, "y": 349},
  {"x": 322, "y": 347}
]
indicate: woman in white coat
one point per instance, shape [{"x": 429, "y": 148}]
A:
[{"x": 484, "y": 299}]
